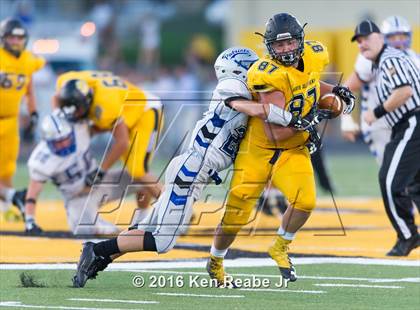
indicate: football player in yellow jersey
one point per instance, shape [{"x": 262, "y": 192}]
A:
[
  {"x": 117, "y": 106},
  {"x": 288, "y": 77},
  {"x": 16, "y": 68}
]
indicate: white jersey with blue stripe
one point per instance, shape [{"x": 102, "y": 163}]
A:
[
  {"x": 218, "y": 134},
  {"x": 66, "y": 172}
]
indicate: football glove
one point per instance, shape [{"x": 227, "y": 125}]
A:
[
  {"x": 94, "y": 176},
  {"x": 347, "y": 96},
  {"x": 315, "y": 142},
  {"x": 313, "y": 118}
]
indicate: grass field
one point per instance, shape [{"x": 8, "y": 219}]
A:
[
  {"x": 351, "y": 175},
  {"x": 324, "y": 283},
  {"x": 322, "y": 286}
]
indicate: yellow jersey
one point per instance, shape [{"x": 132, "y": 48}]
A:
[
  {"x": 301, "y": 90},
  {"x": 109, "y": 98},
  {"x": 15, "y": 74}
]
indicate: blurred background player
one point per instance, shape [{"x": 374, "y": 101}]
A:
[
  {"x": 17, "y": 66},
  {"x": 290, "y": 77},
  {"x": 397, "y": 33},
  {"x": 133, "y": 117},
  {"x": 63, "y": 158}
]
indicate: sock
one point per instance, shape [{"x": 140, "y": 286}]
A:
[
  {"x": 286, "y": 235},
  {"x": 106, "y": 248},
  {"x": 218, "y": 253},
  {"x": 29, "y": 222}
]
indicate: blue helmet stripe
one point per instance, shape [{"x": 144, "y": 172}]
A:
[{"x": 55, "y": 124}]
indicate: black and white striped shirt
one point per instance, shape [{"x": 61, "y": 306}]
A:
[{"x": 396, "y": 69}]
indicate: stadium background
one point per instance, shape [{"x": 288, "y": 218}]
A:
[{"x": 169, "y": 47}]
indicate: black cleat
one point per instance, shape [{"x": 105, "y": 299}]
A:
[
  {"x": 18, "y": 200},
  {"x": 89, "y": 265},
  {"x": 288, "y": 274},
  {"x": 404, "y": 247},
  {"x": 35, "y": 230},
  {"x": 269, "y": 202}
]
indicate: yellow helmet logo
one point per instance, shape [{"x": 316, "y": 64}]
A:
[{"x": 82, "y": 86}]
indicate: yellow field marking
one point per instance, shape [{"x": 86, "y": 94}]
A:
[{"x": 368, "y": 233}]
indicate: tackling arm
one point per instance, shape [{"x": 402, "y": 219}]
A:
[
  {"x": 276, "y": 132},
  {"x": 265, "y": 111}
]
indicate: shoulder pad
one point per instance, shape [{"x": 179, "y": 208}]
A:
[
  {"x": 264, "y": 74},
  {"x": 229, "y": 88}
]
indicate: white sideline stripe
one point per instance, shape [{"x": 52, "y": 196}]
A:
[
  {"x": 357, "y": 285},
  {"x": 200, "y": 295},
  {"x": 374, "y": 280},
  {"x": 115, "y": 300},
  {"x": 18, "y": 304},
  {"x": 284, "y": 290},
  {"x": 240, "y": 262}
]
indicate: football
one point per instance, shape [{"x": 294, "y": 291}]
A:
[{"x": 331, "y": 102}]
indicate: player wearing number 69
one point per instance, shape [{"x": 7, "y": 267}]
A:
[
  {"x": 133, "y": 116},
  {"x": 16, "y": 68},
  {"x": 290, "y": 78}
]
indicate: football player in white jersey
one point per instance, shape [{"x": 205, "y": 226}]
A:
[
  {"x": 213, "y": 148},
  {"x": 397, "y": 32},
  {"x": 62, "y": 157}
]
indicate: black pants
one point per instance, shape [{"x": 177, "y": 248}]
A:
[
  {"x": 399, "y": 168},
  {"x": 321, "y": 171}
]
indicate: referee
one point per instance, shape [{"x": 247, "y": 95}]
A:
[{"x": 398, "y": 88}]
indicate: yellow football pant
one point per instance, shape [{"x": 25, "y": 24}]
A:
[
  {"x": 9, "y": 147},
  {"x": 143, "y": 138},
  {"x": 288, "y": 170}
]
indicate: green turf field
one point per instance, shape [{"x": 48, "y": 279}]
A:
[
  {"x": 321, "y": 286},
  {"x": 352, "y": 175}
]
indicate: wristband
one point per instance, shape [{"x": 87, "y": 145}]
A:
[{"x": 379, "y": 111}]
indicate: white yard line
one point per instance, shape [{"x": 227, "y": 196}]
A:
[
  {"x": 357, "y": 285},
  {"x": 373, "y": 280},
  {"x": 200, "y": 295},
  {"x": 279, "y": 290},
  {"x": 18, "y": 304},
  {"x": 116, "y": 300},
  {"x": 240, "y": 262}
]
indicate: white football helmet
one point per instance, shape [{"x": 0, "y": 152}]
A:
[
  {"x": 59, "y": 134},
  {"x": 234, "y": 63},
  {"x": 396, "y": 25}
]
